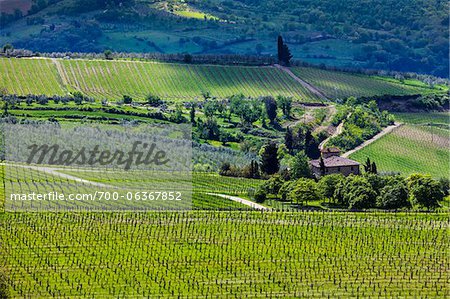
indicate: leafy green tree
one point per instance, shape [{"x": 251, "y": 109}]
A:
[
  {"x": 424, "y": 191},
  {"x": 248, "y": 110},
  {"x": 327, "y": 185},
  {"x": 153, "y": 100},
  {"x": 300, "y": 166},
  {"x": 285, "y": 103},
  {"x": 377, "y": 182},
  {"x": 108, "y": 54},
  {"x": 210, "y": 108},
  {"x": 251, "y": 111},
  {"x": 304, "y": 190},
  {"x": 224, "y": 137},
  {"x": 177, "y": 115},
  {"x": 127, "y": 99},
  {"x": 355, "y": 192},
  {"x": 269, "y": 158},
  {"x": 394, "y": 195},
  {"x": 78, "y": 97},
  {"x": 273, "y": 184},
  {"x": 286, "y": 189},
  {"x": 7, "y": 47},
  {"x": 209, "y": 129},
  {"x": 445, "y": 186}
]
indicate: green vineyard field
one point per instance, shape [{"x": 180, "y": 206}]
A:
[
  {"x": 205, "y": 254},
  {"x": 103, "y": 79},
  {"x": 342, "y": 85},
  {"x": 410, "y": 149},
  {"x": 113, "y": 79},
  {"x": 439, "y": 118},
  {"x": 30, "y": 76}
]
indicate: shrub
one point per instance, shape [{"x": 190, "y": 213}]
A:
[{"x": 260, "y": 195}]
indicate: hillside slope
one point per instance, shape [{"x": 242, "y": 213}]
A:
[
  {"x": 112, "y": 79},
  {"x": 399, "y": 35},
  {"x": 102, "y": 79}
]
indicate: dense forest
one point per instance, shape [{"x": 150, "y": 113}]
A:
[{"x": 400, "y": 35}]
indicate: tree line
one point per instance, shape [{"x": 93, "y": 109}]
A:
[{"x": 358, "y": 192}]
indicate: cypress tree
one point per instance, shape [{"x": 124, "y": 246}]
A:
[
  {"x": 322, "y": 167},
  {"x": 287, "y": 56},
  {"x": 280, "y": 49},
  {"x": 368, "y": 166},
  {"x": 192, "y": 114},
  {"x": 288, "y": 139},
  {"x": 269, "y": 158},
  {"x": 374, "y": 168}
]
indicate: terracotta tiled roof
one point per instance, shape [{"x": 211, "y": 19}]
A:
[
  {"x": 330, "y": 150},
  {"x": 335, "y": 161}
]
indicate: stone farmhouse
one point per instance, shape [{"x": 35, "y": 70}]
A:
[{"x": 334, "y": 163}]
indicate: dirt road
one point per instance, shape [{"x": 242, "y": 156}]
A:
[
  {"x": 242, "y": 201},
  {"x": 302, "y": 82},
  {"x": 385, "y": 131}
]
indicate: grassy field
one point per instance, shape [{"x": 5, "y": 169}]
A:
[
  {"x": 410, "y": 149},
  {"x": 342, "y": 85},
  {"x": 225, "y": 254},
  {"x": 424, "y": 118},
  {"x": 112, "y": 79}
]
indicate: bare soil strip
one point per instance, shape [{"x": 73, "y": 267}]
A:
[
  {"x": 305, "y": 84},
  {"x": 242, "y": 201}
]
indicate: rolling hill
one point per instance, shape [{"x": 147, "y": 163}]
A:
[
  {"x": 102, "y": 79},
  {"x": 419, "y": 146},
  {"x": 398, "y": 35}
]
